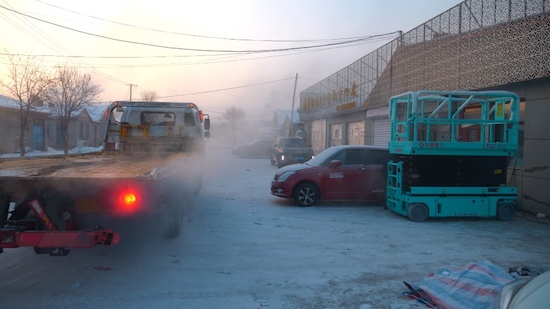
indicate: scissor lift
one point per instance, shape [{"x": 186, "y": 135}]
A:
[{"x": 450, "y": 154}]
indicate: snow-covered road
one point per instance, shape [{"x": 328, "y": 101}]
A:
[{"x": 243, "y": 248}]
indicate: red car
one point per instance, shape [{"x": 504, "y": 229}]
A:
[{"x": 347, "y": 172}]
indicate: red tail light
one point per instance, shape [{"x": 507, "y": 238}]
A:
[
  {"x": 124, "y": 200},
  {"x": 127, "y": 201}
]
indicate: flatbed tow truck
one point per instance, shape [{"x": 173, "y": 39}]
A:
[
  {"x": 450, "y": 154},
  {"x": 150, "y": 167}
]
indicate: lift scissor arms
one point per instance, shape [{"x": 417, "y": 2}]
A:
[{"x": 57, "y": 239}]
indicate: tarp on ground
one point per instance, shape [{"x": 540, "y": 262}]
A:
[{"x": 477, "y": 285}]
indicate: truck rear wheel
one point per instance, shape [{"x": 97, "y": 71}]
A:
[
  {"x": 198, "y": 186},
  {"x": 418, "y": 212},
  {"x": 173, "y": 213}
]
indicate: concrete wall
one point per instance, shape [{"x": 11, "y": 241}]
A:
[
  {"x": 532, "y": 175},
  {"x": 535, "y": 184}
]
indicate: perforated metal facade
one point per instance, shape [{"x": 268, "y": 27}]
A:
[{"x": 476, "y": 44}]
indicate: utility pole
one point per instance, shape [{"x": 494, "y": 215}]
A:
[
  {"x": 131, "y": 85},
  {"x": 292, "y": 111}
]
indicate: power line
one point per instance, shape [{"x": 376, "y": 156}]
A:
[
  {"x": 198, "y": 49},
  {"x": 56, "y": 46},
  {"x": 195, "y": 35},
  {"x": 225, "y": 89},
  {"x": 208, "y": 61}
]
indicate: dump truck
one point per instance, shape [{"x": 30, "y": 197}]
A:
[
  {"x": 450, "y": 154},
  {"x": 148, "y": 170}
]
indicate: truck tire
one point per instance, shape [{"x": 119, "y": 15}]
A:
[
  {"x": 198, "y": 186},
  {"x": 173, "y": 213},
  {"x": 306, "y": 194},
  {"x": 506, "y": 211},
  {"x": 418, "y": 212}
]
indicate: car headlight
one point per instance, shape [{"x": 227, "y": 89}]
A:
[{"x": 284, "y": 176}]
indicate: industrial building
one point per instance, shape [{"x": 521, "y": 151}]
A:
[{"x": 475, "y": 45}]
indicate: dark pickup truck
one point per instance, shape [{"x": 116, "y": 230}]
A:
[{"x": 290, "y": 150}]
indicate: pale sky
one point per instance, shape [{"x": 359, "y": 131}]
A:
[{"x": 212, "y": 52}]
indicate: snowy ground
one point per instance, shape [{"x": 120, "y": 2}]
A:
[
  {"x": 49, "y": 152},
  {"x": 243, "y": 248}
]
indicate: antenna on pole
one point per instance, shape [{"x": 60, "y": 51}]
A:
[{"x": 292, "y": 110}]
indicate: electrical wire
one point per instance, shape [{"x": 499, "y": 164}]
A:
[
  {"x": 222, "y": 55},
  {"x": 198, "y": 49},
  {"x": 195, "y": 35},
  {"x": 225, "y": 89}
]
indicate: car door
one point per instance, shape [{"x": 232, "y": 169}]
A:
[
  {"x": 344, "y": 180},
  {"x": 373, "y": 178}
]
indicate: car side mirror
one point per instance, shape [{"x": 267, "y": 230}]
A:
[{"x": 334, "y": 163}]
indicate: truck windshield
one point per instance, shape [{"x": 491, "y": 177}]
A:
[{"x": 157, "y": 119}]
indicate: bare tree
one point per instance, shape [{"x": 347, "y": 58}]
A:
[
  {"x": 233, "y": 115},
  {"x": 70, "y": 93},
  {"x": 149, "y": 96},
  {"x": 28, "y": 83}
]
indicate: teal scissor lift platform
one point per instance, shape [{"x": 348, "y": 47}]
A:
[{"x": 450, "y": 154}]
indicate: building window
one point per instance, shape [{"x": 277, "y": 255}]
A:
[
  {"x": 336, "y": 134},
  {"x": 356, "y": 133}
]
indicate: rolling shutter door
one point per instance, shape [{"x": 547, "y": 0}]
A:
[{"x": 381, "y": 132}]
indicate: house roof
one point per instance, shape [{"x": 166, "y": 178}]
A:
[
  {"x": 96, "y": 111},
  {"x": 8, "y": 102}
]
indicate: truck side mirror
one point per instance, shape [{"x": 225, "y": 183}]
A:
[
  {"x": 207, "y": 124},
  {"x": 207, "y": 134}
]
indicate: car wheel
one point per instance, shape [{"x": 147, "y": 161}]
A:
[
  {"x": 506, "y": 211},
  {"x": 418, "y": 212},
  {"x": 306, "y": 194}
]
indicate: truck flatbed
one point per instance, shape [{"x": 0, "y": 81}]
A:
[{"x": 85, "y": 166}]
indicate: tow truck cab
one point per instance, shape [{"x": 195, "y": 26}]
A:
[{"x": 158, "y": 126}]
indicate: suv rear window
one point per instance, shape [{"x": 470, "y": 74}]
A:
[{"x": 291, "y": 142}]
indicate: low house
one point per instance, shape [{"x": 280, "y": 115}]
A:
[
  {"x": 35, "y": 131},
  {"x": 43, "y": 130}
]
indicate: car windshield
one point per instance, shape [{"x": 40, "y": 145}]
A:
[
  {"x": 322, "y": 157},
  {"x": 291, "y": 142}
]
